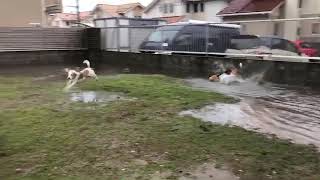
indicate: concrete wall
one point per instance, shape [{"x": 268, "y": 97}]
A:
[
  {"x": 275, "y": 71},
  {"x": 303, "y": 74},
  {"x": 41, "y": 58}
]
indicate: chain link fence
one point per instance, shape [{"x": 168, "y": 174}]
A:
[{"x": 285, "y": 40}]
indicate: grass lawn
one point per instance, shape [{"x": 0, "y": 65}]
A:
[{"x": 43, "y": 135}]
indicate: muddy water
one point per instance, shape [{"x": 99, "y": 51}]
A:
[
  {"x": 288, "y": 112},
  {"x": 94, "y": 97}
]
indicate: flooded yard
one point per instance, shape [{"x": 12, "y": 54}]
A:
[
  {"x": 127, "y": 127},
  {"x": 287, "y": 112}
]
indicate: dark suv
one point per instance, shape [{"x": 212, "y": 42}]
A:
[{"x": 191, "y": 38}]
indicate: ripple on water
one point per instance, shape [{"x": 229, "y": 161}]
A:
[
  {"x": 95, "y": 97},
  {"x": 288, "y": 112}
]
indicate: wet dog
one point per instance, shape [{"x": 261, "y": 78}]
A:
[
  {"x": 74, "y": 76},
  {"x": 229, "y": 76},
  {"x": 88, "y": 72}
]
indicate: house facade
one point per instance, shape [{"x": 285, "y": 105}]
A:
[
  {"x": 27, "y": 13},
  {"x": 64, "y": 20},
  {"x": 251, "y": 10},
  {"x": 132, "y": 10},
  {"x": 183, "y": 10},
  {"x": 309, "y": 30}
]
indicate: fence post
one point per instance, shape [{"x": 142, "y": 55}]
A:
[
  {"x": 118, "y": 34},
  {"x": 207, "y": 39},
  {"x": 129, "y": 39}
]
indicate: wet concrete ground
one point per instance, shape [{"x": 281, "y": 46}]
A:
[{"x": 288, "y": 112}]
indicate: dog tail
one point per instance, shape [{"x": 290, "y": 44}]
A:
[{"x": 87, "y": 63}]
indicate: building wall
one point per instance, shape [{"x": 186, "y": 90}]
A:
[
  {"x": 310, "y": 7},
  {"x": 291, "y": 27},
  {"x": 136, "y": 12},
  {"x": 256, "y": 28},
  {"x": 21, "y": 13},
  {"x": 211, "y": 8},
  {"x": 155, "y": 12}
]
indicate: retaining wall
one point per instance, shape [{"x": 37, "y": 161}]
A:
[{"x": 292, "y": 73}]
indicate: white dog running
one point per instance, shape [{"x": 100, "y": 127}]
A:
[{"x": 74, "y": 76}]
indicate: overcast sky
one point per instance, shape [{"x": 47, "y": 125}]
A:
[{"x": 86, "y": 5}]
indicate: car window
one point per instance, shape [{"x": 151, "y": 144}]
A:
[
  {"x": 278, "y": 44},
  {"x": 266, "y": 42},
  {"x": 306, "y": 45},
  {"x": 184, "y": 39},
  {"x": 245, "y": 43},
  {"x": 284, "y": 45},
  {"x": 291, "y": 47},
  {"x": 162, "y": 36}
]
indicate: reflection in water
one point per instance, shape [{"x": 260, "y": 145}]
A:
[
  {"x": 94, "y": 97},
  {"x": 287, "y": 112}
]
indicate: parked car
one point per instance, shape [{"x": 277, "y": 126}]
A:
[
  {"x": 306, "y": 48},
  {"x": 265, "y": 45},
  {"x": 190, "y": 37}
]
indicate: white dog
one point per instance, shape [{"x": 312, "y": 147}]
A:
[
  {"x": 88, "y": 72},
  {"x": 228, "y": 77},
  {"x": 74, "y": 76}
]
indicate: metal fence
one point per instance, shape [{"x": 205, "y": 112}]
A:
[
  {"x": 127, "y": 39},
  {"x": 31, "y": 39},
  {"x": 279, "y": 39}
]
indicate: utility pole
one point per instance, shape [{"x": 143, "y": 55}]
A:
[{"x": 78, "y": 12}]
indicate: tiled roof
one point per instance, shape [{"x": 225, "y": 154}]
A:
[
  {"x": 115, "y": 10},
  {"x": 250, "y": 6},
  {"x": 173, "y": 19},
  {"x": 73, "y": 17}
]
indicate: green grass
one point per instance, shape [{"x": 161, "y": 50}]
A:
[{"x": 45, "y": 136}]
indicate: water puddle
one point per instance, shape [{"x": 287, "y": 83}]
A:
[
  {"x": 209, "y": 172},
  {"x": 96, "y": 97},
  {"x": 287, "y": 112}
]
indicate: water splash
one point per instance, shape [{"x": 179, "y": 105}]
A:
[{"x": 288, "y": 112}]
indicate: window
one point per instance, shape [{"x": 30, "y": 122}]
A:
[
  {"x": 291, "y": 47},
  {"x": 184, "y": 39},
  {"x": 201, "y": 7},
  {"x": 171, "y": 8},
  {"x": 283, "y": 45},
  {"x": 195, "y": 7},
  {"x": 163, "y": 36},
  {"x": 165, "y": 8},
  {"x": 306, "y": 45},
  {"x": 245, "y": 43},
  {"x": 278, "y": 44},
  {"x": 188, "y": 8},
  {"x": 316, "y": 28}
]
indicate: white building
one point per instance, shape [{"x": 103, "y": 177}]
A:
[
  {"x": 182, "y": 10},
  {"x": 132, "y": 10},
  {"x": 251, "y": 10}
]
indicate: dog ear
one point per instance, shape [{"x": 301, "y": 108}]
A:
[{"x": 66, "y": 69}]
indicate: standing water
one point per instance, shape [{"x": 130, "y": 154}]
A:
[{"x": 287, "y": 112}]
